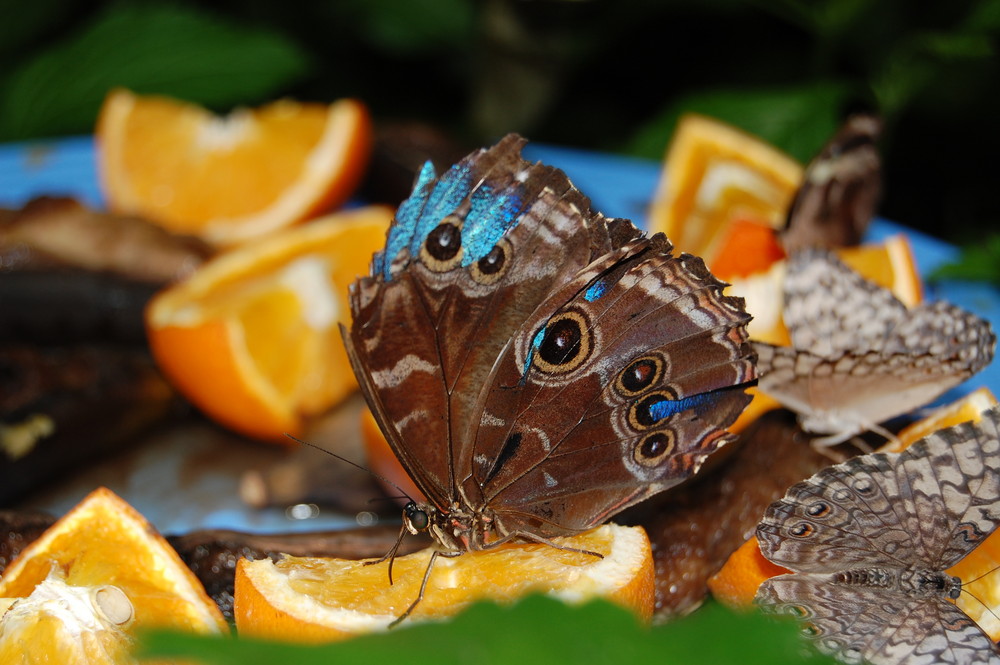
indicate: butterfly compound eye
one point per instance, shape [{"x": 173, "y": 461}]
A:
[{"x": 415, "y": 518}]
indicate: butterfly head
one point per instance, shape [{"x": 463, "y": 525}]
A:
[{"x": 415, "y": 518}]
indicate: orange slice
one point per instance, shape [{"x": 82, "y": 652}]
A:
[
  {"x": 715, "y": 175},
  {"x": 232, "y": 178},
  {"x": 313, "y": 599},
  {"x": 252, "y": 337},
  {"x": 735, "y": 585},
  {"x": 93, "y": 578},
  {"x": 736, "y": 582},
  {"x": 758, "y": 406},
  {"x": 889, "y": 264}
]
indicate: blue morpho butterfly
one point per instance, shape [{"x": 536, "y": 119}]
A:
[{"x": 537, "y": 367}]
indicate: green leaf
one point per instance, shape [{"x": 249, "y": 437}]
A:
[
  {"x": 797, "y": 119},
  {"x": 407, "y": 26},
  {"x": 536, "y": 630},
  {"x": 978, "y": 262},
  {"x": 150, "y": 49}
]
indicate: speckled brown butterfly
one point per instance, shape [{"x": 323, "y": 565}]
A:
[
  {"x": 870, "y": 541},
  {"x": 858, "y": 355},
  {"x": 537, "y": 367},
  {"x": 840, "y": 189}
]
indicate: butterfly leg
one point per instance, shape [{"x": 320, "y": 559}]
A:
[
  {"x": 423, "y": 585},
  {"x": 391, "y": 554},
  {"x": 534, "y": 538}
]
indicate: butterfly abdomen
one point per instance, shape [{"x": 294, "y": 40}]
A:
[{"x": 912, "y": 582}]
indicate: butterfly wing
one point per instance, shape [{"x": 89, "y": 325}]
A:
[
  {"x": 858, "y": 355},
  {"x": 840, "y": 190},
  {"x": 952, "y": 480},
  {"x": 618, "y": 386},
  {"x": 877, "y": 626},
  {"x": 468, "y": 256},
  {"x": 854, "y": 391},
  {"x": 830, "y": 308},
  {"x": 926, "y": 507}
]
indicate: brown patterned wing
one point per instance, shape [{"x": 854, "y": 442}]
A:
[
  {"x": 926, "y": 507},
  {"x": 469, "y": 255},
  {"x": 840, "y": 190},
  {"x": 618, "y": 386},
  {"x": 876, "y": 626}
]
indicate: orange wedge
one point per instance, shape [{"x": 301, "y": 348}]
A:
[
  {"x": 715, "y": 176},
  {"x": 229, "y": 179},
  {"x": 92, "y": 579},
  {"x": 760, "y": 404},
  {"x": 735, "y": 585},
  {"x": 314, "y": 600},
  {"x": 736, "y": 582},
  {"x": 252, "y": 337},
  {"x": 889, "y": 264}
]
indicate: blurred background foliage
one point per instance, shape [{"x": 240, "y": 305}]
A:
[{"x": 611, "y": 75}]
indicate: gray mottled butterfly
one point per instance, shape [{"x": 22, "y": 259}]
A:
[
  {"x": 536, "y": 366},
  {"x": 870, "y": 541},
  {"x": 858, "y": 356}
]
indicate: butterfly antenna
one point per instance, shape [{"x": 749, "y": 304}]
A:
[
  {"x": 977, "y": 598},
  {"x": 354, "y": 464}
]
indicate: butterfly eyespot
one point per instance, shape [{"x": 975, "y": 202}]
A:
[
  {"x": 801, "y": 530},
  {"x": 798, "y": 611},
  {"x": 840, "y": 496},
  {"x": 493, "y": 266},
  {"x": 654, "y": 448},
  {"x": 640, "y": 375},
  {"x": 650, "y": 410},
  {"x": 863, "y": 486},
  {"x": 563, "y": 344},
  {"x": 442, "y": 250},
  {"x": 810, "y": 629},
  {"x": 818, "y": 509}
]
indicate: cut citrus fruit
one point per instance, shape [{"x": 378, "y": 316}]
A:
[
  {"x": 964, "y": 409},
  {"x": 111, "y": 573},
  {"x": 715, "y": 175},
  {"x": 735, "y": 585},
  {"x": 312, "y": 599},
  {"x": 70, "y": 625},
  {"x": 252, "y": 339},
  {"x": 229, "y": 179},
  {"x": 736, "y": 582},
  {"x": 889, "y": 264},
  {"x": 747, "y": 248},
  {"x": 760, "y": 404}
]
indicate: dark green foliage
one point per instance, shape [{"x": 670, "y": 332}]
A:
[
  {"x": 597, "y": 74},
  {"x": 148, "y": 48},
  {"x": 536, "y": 630}
]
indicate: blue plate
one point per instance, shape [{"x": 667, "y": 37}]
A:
[{"x": 184, "y": 483}]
